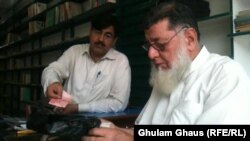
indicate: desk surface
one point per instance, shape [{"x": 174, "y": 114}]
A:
[
  {"x": 123, "y": 119},
  {"x": 127, "y": 112}
]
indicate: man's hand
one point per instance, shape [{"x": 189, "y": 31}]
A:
[
  {"x": 70, "y": 109},
  {"x": 109, "y": 134},
  {"x": 54, "y": 90}
]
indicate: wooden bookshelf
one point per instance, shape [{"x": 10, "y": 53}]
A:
[{"x": 23, "y": 60}]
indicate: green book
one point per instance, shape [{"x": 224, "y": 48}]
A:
[
  {"x": 50, "y": 17},
  {"x": 25, "y": 94}
]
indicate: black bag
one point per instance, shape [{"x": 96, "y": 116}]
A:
[
  {"x": 45, "y": 121},
  {"x": 4, "y": 129}
]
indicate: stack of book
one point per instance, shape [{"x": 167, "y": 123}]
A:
[
  {"x": 68, "y": 10},
  {"x": 63, "y": 12},
  {"x": 50, "y": 17},
  {"x": 242, "y": 21},
  {"x": 36, "y": 8},
  {"x": 25, "y": 94},
  {"x": 35, "y": 26},
  {"x": 11, "y": 37},
  {"x": 97, "y": 3}
]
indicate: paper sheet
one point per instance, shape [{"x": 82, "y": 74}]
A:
[{"x": 63, "y": 102}]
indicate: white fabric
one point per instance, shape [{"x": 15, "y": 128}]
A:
[
  {"x": 97, "y": 87},
  {"x": 215, "y": 90}
]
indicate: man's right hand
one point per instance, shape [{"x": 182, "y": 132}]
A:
[{"x": 54, "y": 90}]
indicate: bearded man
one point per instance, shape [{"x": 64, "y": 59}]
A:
[{"x": 190, "y": 85}]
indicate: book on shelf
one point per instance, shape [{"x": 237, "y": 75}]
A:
[
  {"x": 82, "y": 30},
  {"x": 62, "y": 13},
  {"x": 97, "y": 3},
  {"x": 57, "y": 15},
  {"x": 11, "y": 37},
  {"x": 50, "y": 18},
  {"x": 26, "y": 77},
  {"x": 35, "y": 26},
  {"x": 10, "y": 63},
  {"x": 72, "y": 9},
  {"x": 25, "y": 94},
  {"x": 87, "y": 5},
  {"x": 18, "y": 63},
  {"x": 243, "y": 28},
  {"x": 36, "y": 8},
  {"x": 112, "y": 1},
  {"x": 244, "y": 13},
  {"x": 242, "y": 21},
  {"x": 69, "y": 9}
]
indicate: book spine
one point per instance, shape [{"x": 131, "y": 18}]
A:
[{"x": 241, "y": 21}]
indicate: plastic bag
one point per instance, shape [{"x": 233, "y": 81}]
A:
[{"x": 46, "y": 122}]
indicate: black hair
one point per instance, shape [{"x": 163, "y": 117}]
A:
[
  {"x": 104, "y": 21},
  {"x": 176, "y": 13}
]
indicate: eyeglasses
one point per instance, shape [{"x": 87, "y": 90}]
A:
[{"x": 161, "y": 46}]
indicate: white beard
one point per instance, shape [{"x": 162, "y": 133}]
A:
[{"x": 165, "y": 81}]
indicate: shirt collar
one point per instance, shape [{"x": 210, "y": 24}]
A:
[
  {"x": 110, "y": 55},
  {"x": 199, "y": 60}
]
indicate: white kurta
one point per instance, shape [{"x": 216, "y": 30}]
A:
[
  {"x": 215, "y": 90},
  {"x": 97, "y": 87}
]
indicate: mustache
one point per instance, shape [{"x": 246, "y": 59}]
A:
[{"x": 99, "y": 43}]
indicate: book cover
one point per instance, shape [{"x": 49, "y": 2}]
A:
[
  {"x": 50, "y": 17},
  {"x": 87, "y": 5},
  {"x": 73, "y": 9},
  {"x": 36, "y": 8},
  {"x": 35, "y": 26},
  {"x": 25, "y": 94},
  {"x": 241, "y": 21},
  {"x": 112, "y": 1},
  {"x": 63, "y": 14},
  {"x": 40, "y": 7},
  {"x": 57, "y": 14},
  {"x": 244, "y": 13},
  {"x": 243, "y": 28}
]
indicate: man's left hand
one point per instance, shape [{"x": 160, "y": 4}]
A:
[{"x": 70, "y": 109}]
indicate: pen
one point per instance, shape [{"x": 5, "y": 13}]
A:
[{"x": 99, "y": 73}]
